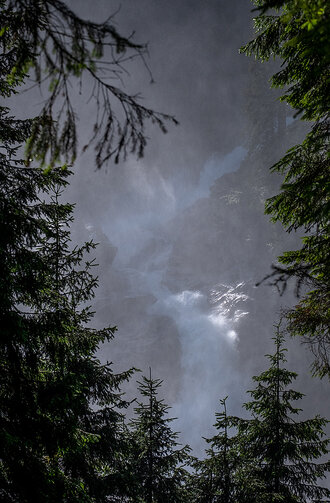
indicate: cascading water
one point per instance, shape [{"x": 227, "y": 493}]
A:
[
  {"x": 208, "y": 344},
  {"x": 207, "y": 320}
]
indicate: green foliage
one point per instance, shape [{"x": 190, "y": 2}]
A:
[
  {"x": 215, "y": 476},
  {"x": 278, "y": 452},
  {"x": 271, "y": 457},
  {"x": 305, "y": 188},
  {"x": 156, "y": 464},
  {"x": 47, "y": 39},
  {"x": 298, "y": 32},
  {"x": 60, "y": 407},
  {"x": 61, "y": 426},
  {"x": 60, "y": 419}
]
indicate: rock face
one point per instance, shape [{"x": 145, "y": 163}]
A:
[
  {"x": 224, "y": 244},
  {"x": 224, "y": 241},
  {"x": 185, "y": 301}
]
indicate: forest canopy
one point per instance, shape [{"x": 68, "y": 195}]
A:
[
  {"x": 64, "y": 433},
  {"x": 297, "y": 32}
]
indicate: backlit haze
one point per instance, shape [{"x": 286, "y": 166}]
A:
[{"x": 183, "y": 237}]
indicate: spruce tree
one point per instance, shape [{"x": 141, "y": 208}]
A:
[
  {"x": 90, "y": 389},
  {"x": 60, "y": 422},
  {"x": 214, "y": 479},
  {"x": 60, "y": 407},
  {"x": 156, "y": 462},
  {"x": 21, "y": 464},
  {"x": 298, "y": 33},
  {"x": 279, "y": 451}
]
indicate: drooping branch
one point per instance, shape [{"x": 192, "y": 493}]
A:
[{"x": 64, "y": 50}]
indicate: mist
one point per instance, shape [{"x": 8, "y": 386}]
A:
[{"x": 182, "y": 234}]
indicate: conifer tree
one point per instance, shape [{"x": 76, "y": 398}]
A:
[
  {"x": 60, "y": 407},
  {"x": 298, "y": 33},
  {"x": 279, "y": 452},
  {"x": 95, "y": 398},
  {"x": 21, "y": 462},
  {"x": 60, "y": 422},
  {"x": 214, "y": 480},
  {"x": 156, "y": 464}
]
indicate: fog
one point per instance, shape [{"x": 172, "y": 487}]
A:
[{"x": 182, "y": 232}]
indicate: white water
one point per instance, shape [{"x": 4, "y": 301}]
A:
[
  {"x": 208, "y": 338},
  {"x": 207, "y": 322}
]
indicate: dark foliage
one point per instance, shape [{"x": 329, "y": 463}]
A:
[
  {"x": 60, "y": 407},
  {"x": 279, "y": 452},
  {"x": 298, "y": 32},
  {"x": 46, "y": 39},
  {"x": 156, "y": 462},
  {"x": 60, "y": 419},
  {"x": 215, "y": 477}
]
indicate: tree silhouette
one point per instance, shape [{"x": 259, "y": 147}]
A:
[
  {"x": 298, "y": 33},
  {"x": 48, "y": 39},
  {"x": 214, "y": 480},
  {"x": 278, "y": 451},
  {"x": 60, "y": 421},
  {"x": 156, "y": 462}
]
